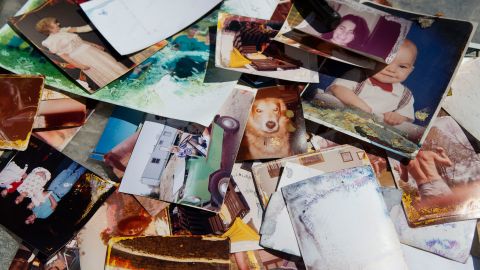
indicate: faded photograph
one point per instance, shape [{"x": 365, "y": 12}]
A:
[
  {"x": 441, "y": 183},
  {"x": 19, "y": 99}
]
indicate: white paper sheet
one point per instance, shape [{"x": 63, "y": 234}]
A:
[
  {"x": 420, "y": 260},
  {"x": 130, "y": 26}
]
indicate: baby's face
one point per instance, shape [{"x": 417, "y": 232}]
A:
[{"x": 398, "y": 70}]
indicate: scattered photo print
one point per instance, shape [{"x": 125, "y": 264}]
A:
[
  {"x": 318, "y": 209},
  {"x": 68, "y": 258},
  {"x": 267, "y": 175},
  {"x": 239, "y": 219},
  {"x": 168, "y": 252},
  {"x": 245, "y": 45},
  {"x": 263, "y": 259},
  {"x": 450, "y": 240},
  {"x": 362, "y": 29},
  {"x": 276, "y": 231},
  {"x": 392, "y": 107},
  {"x": 322, "y": 138},
  {"x": 57, "y": 110},
  {"x": 120, "y": 215},
  {"x": 19, "y": 98},
  {"x": 441, "y": 184},
  {"x": 189, "y": 165},
  {"x": 118, "y": 139},
  {"x": 275, "y": 127},
  {"x": 48, "y": 197},
  {"x": 59, "y": 31}
]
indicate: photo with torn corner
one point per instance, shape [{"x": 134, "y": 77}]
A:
[
  {"x": 321, "y": 209},
  {"x": 189, "y": 166},
  {"x": 48, "y": 197},
  {"x": 275, "y": 127},
  {"x": 59, "y": 31},
  {"x": 362, "y": 29},
  {"x": 441, "y": 184},
  {"x": 168, "y": 252},
  {"x": 19, "y": 99},
  {"x": 392, "y": 107},
  {"x": 245, "y": 44}
]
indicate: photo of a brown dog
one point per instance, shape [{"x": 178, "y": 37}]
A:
[
  {"x": 267, "y": 129},
  {"x": 271, "y": 130}
]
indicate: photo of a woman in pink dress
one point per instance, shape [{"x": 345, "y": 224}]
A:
[{"x": 91, "y": 58}]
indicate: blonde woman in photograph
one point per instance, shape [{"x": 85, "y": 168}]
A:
[{"x": 91, "y": 58}]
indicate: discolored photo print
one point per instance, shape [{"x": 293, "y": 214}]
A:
[{"x": 19, "y": 99}]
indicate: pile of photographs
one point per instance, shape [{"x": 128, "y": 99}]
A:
[{"x": 237, "y": 134}]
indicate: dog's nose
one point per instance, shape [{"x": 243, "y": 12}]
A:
[{"x": 270, "y": 124}]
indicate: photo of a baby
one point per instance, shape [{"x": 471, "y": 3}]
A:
[
  {"x": 393, "y": 104},
  {"x": 47, "y": 197},
  {"x": 58, "y": 30}
]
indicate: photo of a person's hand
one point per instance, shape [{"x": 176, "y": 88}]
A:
[{"x": 393, "y": 118}]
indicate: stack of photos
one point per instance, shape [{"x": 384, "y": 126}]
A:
[
  {"x": 48, "y": 197},
  {"x": 441, "y": 183},
  {"x": 245, "y": 45},
  {"x": 267, "y": 175},
  {"x": 168, "y": 252},
  {"x": 19, "y": 98},
  {"x": 58, "y": 30},
  {"x": 58, "y": 111},
  {"x": 175, "y": 74},
  {"x": 277, "y": 232},
  {"x": 275, "y": 127},
  {"x": 321, "y": 209},
  {"x": 191, "y": 166},
  {"x": 392, "y": 107},
  {"x": 120, "y": 216},
  {"x": 362, "y": 29}
]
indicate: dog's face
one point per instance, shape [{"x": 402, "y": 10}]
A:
[{"x": 266, "y": 114}]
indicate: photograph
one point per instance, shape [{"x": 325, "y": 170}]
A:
[
  {"x": 48, "y": 196},
  {"x": 267, "y": 175},
  {"x": 394, "y": 106},
  {"x": 121, "y": 215},
  {"x": 245, "y": 45},
  {"x": 19, "y": 99},
  {"x": 319, "y": 208},
  {"x": 276, "y": 231},
  {"x": 68, "y": 258},
  {"x": 450, "y": 240},
  {"x": 59, "y": 31},
  {"x": 263, "y": 259},
  {"x": 362, "y": 29},
  {"x": 189, "y": 165},
  {"x": 158, "y": 85},
  {"x": 168, "y": 252},
  {"x": 57, "y": 110},
  {"x": 441, "y": 184},
  {"x": 275, "y": 127}
]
